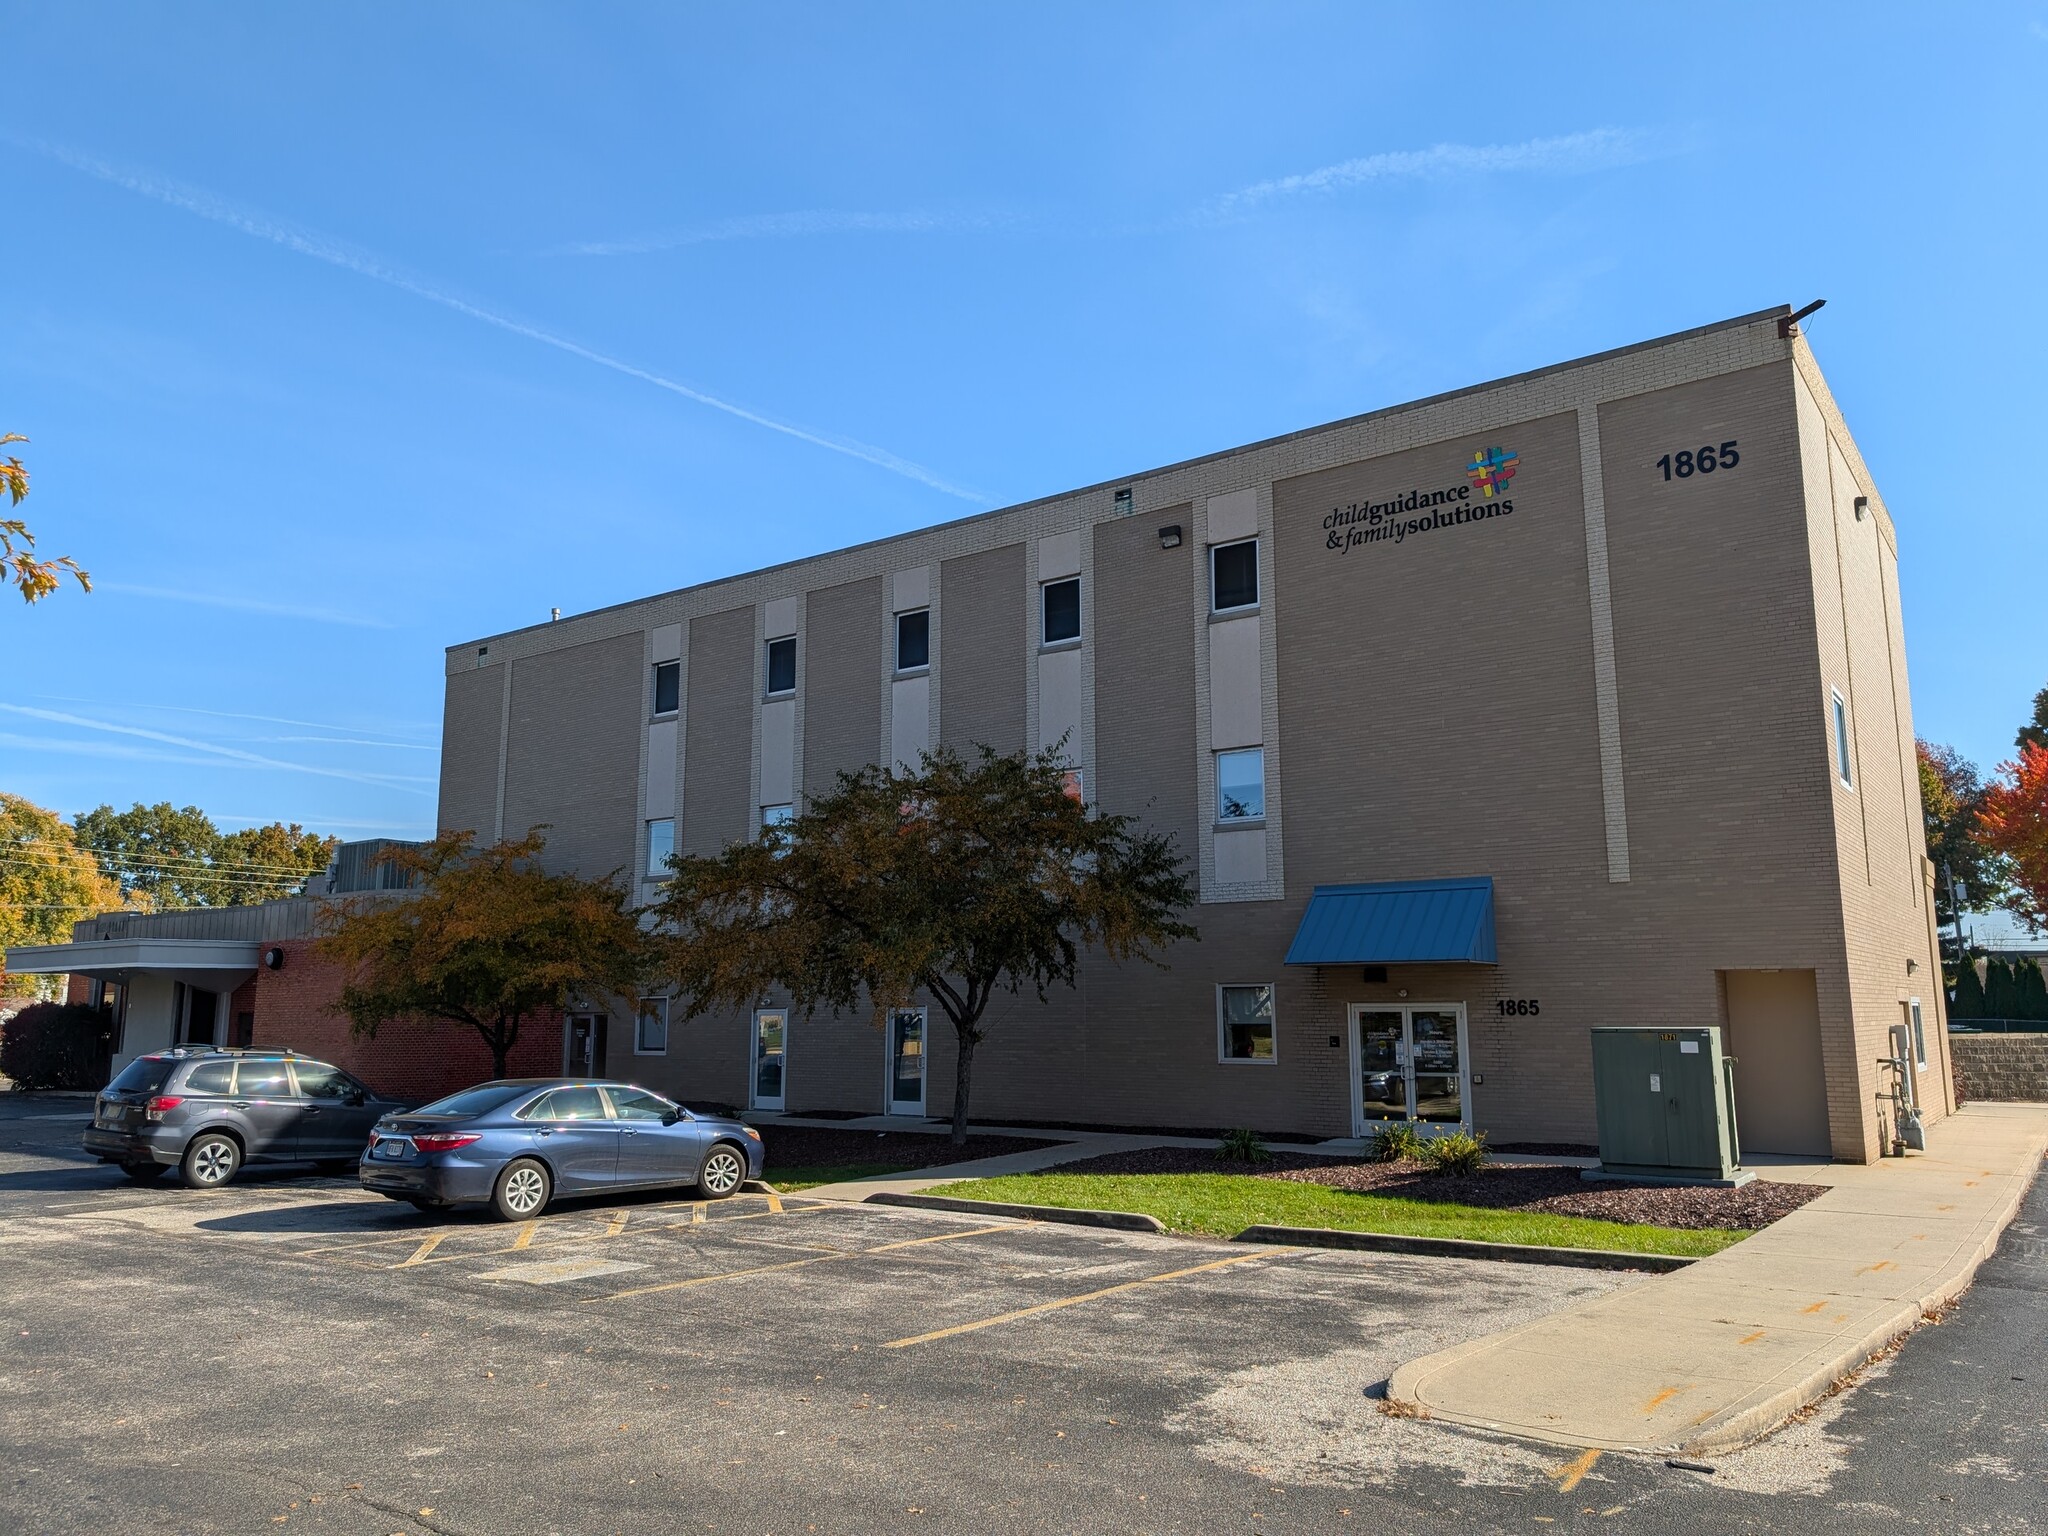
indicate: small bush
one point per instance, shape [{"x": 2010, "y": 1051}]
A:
[
  {"x": 1457, "y": 1154},
  {"x": 53, "y": 1045},
  {"x": 1395, "y": 1143},
  {"x": 1243, "y": 1145}
]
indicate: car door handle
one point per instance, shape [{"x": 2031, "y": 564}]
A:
[
  {"x": 544, "y": 1133},
  {"x": 238, "y": 1103}
]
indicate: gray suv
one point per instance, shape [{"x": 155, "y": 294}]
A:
[{"x": 207, "y": 1112}]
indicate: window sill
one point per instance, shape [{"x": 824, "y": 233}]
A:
[
  {"x": 1243, "y": 824},
  {"x": 1225, "y": 615},
  {"x": 666, "y": 714},
  {"x": 1248, "y": 1061},
  {"x": 902, "y": 674},
  {"x": 1059, "y": 645},
  {"x": 771, "y": 698}
]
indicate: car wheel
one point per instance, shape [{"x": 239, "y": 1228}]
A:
[
  {"x": 523, "y": 1191},
  {"x": 210, "y": 1161},
  {"x": 723, "y": 1172},
  {"x": 144, "y": 1173}
]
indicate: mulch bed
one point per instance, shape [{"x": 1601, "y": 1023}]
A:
[
  {"x": 1502, "y": 1185},
  {"x": 813, "y": 1146}
]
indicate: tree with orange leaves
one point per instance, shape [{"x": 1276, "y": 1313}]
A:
[{"x": 2014, "y": 823}]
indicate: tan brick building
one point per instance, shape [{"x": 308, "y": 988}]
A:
[{"x": 1615, "y": 646}]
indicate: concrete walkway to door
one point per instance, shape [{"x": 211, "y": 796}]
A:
[{"x": 1725, "y": 1350}]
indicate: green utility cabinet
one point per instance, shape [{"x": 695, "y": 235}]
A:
[{"x": 1666, "y": 1105}]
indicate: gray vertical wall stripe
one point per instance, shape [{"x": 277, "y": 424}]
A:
[
  {"x": 842, "y": 703},
  {"x": 470, "y": 729},
  {"x": 981, "y": 668},
  {"x": 1606, "y": 694},
  {"x": 1145, "y": 679},
  {"x": 572, "y": 753},
  {"x": 719, "y": 741}
]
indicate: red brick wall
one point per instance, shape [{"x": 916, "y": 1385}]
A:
[{"x": 406, "y": 1060}]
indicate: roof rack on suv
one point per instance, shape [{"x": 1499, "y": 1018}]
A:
[{"x": 227, "y": 1050}]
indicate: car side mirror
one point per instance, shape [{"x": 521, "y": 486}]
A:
[
  {"x": 672, "y": 1116},
  {"x": 355, "y": 1097}
]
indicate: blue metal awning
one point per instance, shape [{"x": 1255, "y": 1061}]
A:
[{"x": 1397, "y": 922}]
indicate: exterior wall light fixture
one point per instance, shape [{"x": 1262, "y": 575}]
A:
[
  {"x": 1862, "y": 508},
  {"x": 1169, "y": 536}
]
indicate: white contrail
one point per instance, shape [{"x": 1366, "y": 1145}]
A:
[
  {"x": 220, "y": 714},
  {"x": 206, "y": 205},
  {"x": 233, "y": 754},
  {"x": 783, "y": 226},
  {"x": 1596, "y": 149},
  {"x": 243, "y": 605}
]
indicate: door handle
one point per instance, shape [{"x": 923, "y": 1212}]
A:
[
  {"x": 238, "y": 1103},
  {"x": 543, "y": 1133}
]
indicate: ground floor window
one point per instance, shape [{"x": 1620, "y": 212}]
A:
[
  {"x": 1244, "y": 1023},
  {"x": 650, "y": 1032}
]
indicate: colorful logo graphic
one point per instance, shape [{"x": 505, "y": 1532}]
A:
[{"x": 1491, "y": 469}]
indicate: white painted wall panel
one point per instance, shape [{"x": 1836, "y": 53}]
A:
[
  {"x": 1059, "y": 555},
  {"x": 1234, "y": 516},
  {"x": 666, "y": 642},
  {"x": 910, "y": 719},
  {"x": 1062, "y": 696},
  {"x": 1236, "y": 713},
  {"x": 912, "y": 589},
  {"x": 779, "y": 617},
  {"x": 778, "y": 752},
  {"x": 661, "y": 769},
  {"x": 1241, "y": 856}
]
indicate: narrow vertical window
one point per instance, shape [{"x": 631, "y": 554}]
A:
[
  {"x": 913, "y": 640},
  {"x": 775, "y": 820},
  {"x": 1241, "y": 785},
  {"x": 650, "y": 1030},
  {"x": 1919, "y": 1035},
  {"x": 782, "y": 665},
  {"x": 1234, "y": 576},
  {"x": 661, "y": 845},
  {"x": 1060, "y": 611},
  {"x": 1843, "y": 770},
  {"x": 668, "y": 687}
]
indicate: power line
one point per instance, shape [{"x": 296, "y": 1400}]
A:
[{"x": 165, "y": 860}]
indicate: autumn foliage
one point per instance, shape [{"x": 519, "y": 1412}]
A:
[{"x": 2013, "y": 822}]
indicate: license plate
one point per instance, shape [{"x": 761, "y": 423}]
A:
[{"x": 393, "y": 1150}]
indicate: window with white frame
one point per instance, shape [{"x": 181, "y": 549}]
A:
[
  {"x": 1072, "y": 787},
  {"x": 782, "y": 665},
  {"x": 775, "y": 820},
  {"x": 661, "y": 845},
  {"x": 1844, "y": 762},
  {"x": 1241, "y": 785},
  {"x": 1919, "y": 1035},
  {"x": 650, "y": 1030},
  {"x": 668, "y": 687},
  {"x": 1244, "y": 1023},
  {"x": 1059, "y": 611},
  {"x": 914, "y": 640},
  {"x": 1234, "y": 576}
]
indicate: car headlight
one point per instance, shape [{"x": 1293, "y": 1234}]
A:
[{"x": 751, "y": 1132}]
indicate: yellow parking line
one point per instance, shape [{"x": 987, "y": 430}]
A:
[
  {"x": 766, "y": 1269},
  {"x": 1573, "y": 1472},
  {"x": 526, "y": 1231},
  {"x": 1074, "y": 1301},
  {"x": 419, "y": 1254},
  {"x": 697, "y": 1210},
  {"x": 774, "y": 1201},
  {"x": 618, "y": 1223}
]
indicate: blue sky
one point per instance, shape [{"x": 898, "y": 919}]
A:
[{"x": 343, "y": 334}]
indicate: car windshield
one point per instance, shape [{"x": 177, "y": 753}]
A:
[
  {"x": 471, "y": 1101},
  {"x": 145, "y": 1074}
]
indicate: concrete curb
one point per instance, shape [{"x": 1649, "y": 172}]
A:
[
  {"x": 1463, "y": 1248},
  {"x": 1122, "y": 1221}
]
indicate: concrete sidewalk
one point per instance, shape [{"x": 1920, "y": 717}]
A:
[
  {"x": 1071, "y": 1147},
  {"x": 1723, "y": 1351}
]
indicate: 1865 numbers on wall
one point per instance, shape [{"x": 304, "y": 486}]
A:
[{"x": 1688, "y": 462}]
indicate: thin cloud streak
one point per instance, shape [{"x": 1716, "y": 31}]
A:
[
  {"x": 109, "y": 749},
  {"x": 356, "y": 741},
  {"x": 785, "y": 226},
  {"x": 232, "y": 754},
  {"x": 1597, "y": 149},
  {"x": 218, "y": 714},
  {"x": 243, "y": 605},
  {"x": 206, "y": 205}
]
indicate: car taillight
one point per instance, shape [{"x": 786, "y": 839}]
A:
[
  {"x": 162, "y": 1102},
  {"x": 445, "y": 1141}
]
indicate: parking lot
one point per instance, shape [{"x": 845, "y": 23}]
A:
[{"x": 291, "y": 1353}]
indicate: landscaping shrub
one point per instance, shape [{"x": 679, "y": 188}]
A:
[
  {"x": 1457, "y": 1154},
  {"x": 53, "y": 1045},
  {"x": 1244, "y": 1146},
  {"x": 1395, "y": 1143}
]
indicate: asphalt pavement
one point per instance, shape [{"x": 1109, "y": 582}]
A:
[{"x": 290, "y": 1354}]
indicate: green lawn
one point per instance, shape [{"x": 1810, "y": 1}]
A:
[
  {"x": 1222, "y": 1205},
  {"x": 790, "y": 1180}
]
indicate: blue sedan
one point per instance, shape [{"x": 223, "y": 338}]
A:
[{"x": 518, "y": 1143}]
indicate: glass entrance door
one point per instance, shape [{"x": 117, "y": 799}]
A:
[
  {"x": 906, "y": 1061},
  {"x": 1410, "y": 1065},
  {"x": 771, "y": 1028}
]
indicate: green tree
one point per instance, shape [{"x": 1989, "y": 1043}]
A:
[
  {"x": 178, "y": 858},
  {"x": 1969, "y": 998},
  {"x": 19, "y": 567},
  {"x": 488, "y": 938},
  {"x": 2032, "y": 989},
  {"x": 1951, "y": 800},
  {"x": 958, "y": 880},
  {"x": 2035, "y": 731},
  {"x": 2001, "y": 996},
  {"x": 47, "y": 882}
]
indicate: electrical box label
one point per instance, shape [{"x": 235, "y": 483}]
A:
[
  {"x": 1656, "y": 1083},
  {"x": 1688, "y": 1047}
]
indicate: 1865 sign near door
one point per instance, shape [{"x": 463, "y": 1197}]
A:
[{"x": 1422, "y": 511}]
